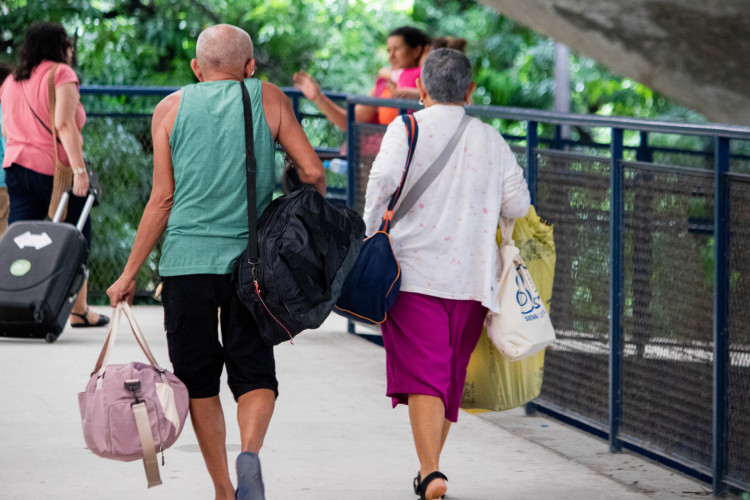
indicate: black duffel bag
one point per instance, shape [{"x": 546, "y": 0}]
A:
[{"x": 292, "y": 272}]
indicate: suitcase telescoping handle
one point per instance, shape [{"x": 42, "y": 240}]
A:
[{"x": 90, "y": 199}]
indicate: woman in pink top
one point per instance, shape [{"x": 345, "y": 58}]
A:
[
  {"x": 405, "y": 48},
  {"x": 29, "y": 160}
]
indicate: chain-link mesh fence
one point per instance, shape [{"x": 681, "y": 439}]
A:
[
  {"x": 738, "y": 453},
  {"x": 120, "y": 152},
  {"x": 667, "y": 323},
  {"x": 573, "y": 196},
  {"x": 367, "y": 145}
]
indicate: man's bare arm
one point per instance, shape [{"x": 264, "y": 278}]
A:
[
  {"x": 159, "y": 206},
  {"x": 286, "y": 129}
]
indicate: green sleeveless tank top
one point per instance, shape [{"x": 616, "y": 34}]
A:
[{"x": 207, "y": 228}]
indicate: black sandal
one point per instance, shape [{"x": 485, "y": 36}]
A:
[
  {"x": 422, "y": 488},
  {"x": 416, "y": 483},
  {"x": 103, "y": 320}
]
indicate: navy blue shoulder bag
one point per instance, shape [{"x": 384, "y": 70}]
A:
[{"x": 373, "y": 284}]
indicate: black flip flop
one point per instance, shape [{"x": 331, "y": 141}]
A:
[
  {"x": 426, "y": 482},
  {"x": 103, "y": 320}
]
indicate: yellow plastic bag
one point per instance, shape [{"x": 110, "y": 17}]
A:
[
  {"x": 537, "y": 246},
  {"x": 492, "y": 382}
]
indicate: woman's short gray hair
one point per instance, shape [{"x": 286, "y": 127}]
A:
[{"x": 446, "y": 75}]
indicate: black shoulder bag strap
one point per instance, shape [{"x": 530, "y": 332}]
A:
[{"x": 250, "y": 171}]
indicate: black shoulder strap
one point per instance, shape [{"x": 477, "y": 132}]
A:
[
  {"x": 250, "y": 171},
  {"x": 412, "y": 132}
]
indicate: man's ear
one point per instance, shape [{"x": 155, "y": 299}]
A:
[
  {"x": 196, "y": 69},
  {"x": 250, "y": 68}
]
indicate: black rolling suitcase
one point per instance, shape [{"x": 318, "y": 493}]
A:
[{"x": 42, "y": 267}]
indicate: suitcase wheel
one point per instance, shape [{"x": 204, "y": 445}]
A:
[{"x": 50, "y": 338}]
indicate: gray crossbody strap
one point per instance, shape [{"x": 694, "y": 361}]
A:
[{"x": 431, "y": 174}]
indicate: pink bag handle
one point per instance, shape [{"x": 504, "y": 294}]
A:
[{"x": 101, "y": 362}]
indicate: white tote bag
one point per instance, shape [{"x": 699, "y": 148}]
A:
[{"x": 522, "y": 327}]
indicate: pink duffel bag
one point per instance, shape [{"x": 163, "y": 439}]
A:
[{"x": 132, "y": 411}]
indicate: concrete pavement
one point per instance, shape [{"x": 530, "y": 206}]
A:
[{"x": 334, "y": 435}]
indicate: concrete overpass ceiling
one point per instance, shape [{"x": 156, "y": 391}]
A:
[{"x": 696, "y": 52}]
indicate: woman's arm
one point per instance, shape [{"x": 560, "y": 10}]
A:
[
  {"x": 516, "y": 198},
  {"x": 333, "y": 112},
  {"x": 366, "y": 114},
  {"x": 66, "y": 107},
  {"x": 311, "y": 90}
]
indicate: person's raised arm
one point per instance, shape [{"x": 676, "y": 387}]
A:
[
  {"x": 66, "y": 107},
  {"x": 366, "y": 114},
  {"x": 159, "y": 206},
  {"x": 333, "y": 112},
  {"x": 311, "y": 90},
  {"x": 286, "y": 129}
]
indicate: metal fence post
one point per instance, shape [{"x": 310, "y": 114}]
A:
[
  {"x": 616, "y": 299},
  {"x": 532, "y": 141},
  {"x": 351, "y": 155},
  {"x": 644, "y": 152},
  {"x": 532, "y": 167},
  {"x": 721, "y": 313},
  {"x": 557, "y": 142},
  {"x": 295, "y": 106},
  {"x": 352, "y": 168}
]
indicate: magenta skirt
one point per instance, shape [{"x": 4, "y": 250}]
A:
[{"x": 428, "y": 342}]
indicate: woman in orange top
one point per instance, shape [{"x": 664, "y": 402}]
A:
[{"x": 405, "y": 48}]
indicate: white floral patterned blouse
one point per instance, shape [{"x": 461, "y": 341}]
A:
[{"x": 445, "y": 244}]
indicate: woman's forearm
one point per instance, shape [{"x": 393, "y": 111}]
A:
[
  {"x": 335, "y": 113},
  {"x": 72, "y": 142}
]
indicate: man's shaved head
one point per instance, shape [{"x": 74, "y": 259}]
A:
[{"x": 223, "y": 47}]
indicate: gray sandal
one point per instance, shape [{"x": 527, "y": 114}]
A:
[{"x": 249, "y": 477}]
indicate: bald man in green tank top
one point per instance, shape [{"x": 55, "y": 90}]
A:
[{"x": 199, "y": 201}]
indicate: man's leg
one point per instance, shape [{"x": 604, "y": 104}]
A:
[
  {"x": 251, "y": 374},
  {"x": 207, "y": 417},
  {"x": 254, "y": 412},
  {"x": 190, "y": 319}
]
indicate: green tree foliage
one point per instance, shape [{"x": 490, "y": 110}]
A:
[{"x": 340, "y": 42}]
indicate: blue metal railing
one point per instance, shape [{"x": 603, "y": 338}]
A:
[
  {"x": 723, "y": 135},
  {"x": 615, "y": 149}
]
